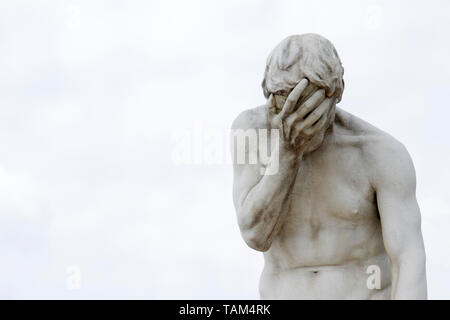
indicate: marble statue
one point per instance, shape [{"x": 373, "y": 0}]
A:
[{"x": 339, "y": 217}]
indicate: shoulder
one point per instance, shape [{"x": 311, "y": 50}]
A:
[
  {"x": 254, "y": 118},
  {"x": 374, "y": 142},
  {"x": 387, "y": 159},
  {"x": 390, "y": 160}
]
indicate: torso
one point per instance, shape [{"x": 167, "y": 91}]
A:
[{"x": 332, "y": 232}]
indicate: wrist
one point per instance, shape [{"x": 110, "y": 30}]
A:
[{"x": 290, "y": 157}]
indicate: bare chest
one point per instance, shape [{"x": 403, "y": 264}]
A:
[{"x": 332, "y": 189}]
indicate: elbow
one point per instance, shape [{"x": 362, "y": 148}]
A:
[
  {"x": 253, "y": 230},
  {"x": 410, "y": 257},
  {"x": 411, "y": 265},
  {"x": 255, "y": 240}
]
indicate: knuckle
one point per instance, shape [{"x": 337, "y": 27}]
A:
[
  {"x": 307, "y": 105},
  {"x": 315, "y": 115}
]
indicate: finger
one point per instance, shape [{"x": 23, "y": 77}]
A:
[
  {"x": 309, "y": 91},
  {"x": 312, "y": 124},
  {"x": 315, "y": 99},
  {"x": 309, "y": 105},
  {"x": 293, "y": 97},
  {"x": 311, "y": 131},
  {"x": 324, "y": 120},
  {"x": 317, "y": 113},
  {"x": 290, "y": 124},
  {"x": 297, "y": 133}
]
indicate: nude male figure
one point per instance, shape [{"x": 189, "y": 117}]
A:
[{"x": 343, "y": 198}]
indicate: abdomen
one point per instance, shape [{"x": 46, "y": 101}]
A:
[{"x": 347, "y": 281}]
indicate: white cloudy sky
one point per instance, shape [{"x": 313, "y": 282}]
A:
[{"x": 92, "y": 94}]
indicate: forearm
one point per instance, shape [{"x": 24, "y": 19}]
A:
[
  {"x": 261, "y": 210},
  {"x": 409, "y": 278}
]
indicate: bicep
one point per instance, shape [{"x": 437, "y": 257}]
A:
[
  {"x": 397, "y": 204},
  {"x": 400, "y": 222}
]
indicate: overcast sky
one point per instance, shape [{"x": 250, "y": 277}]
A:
[{"x": 96, "y": 98}]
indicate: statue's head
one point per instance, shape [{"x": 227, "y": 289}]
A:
[{"x": 308, "y": 56}]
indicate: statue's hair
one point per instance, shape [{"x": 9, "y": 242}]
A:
[{"x": 308, "y": 56}]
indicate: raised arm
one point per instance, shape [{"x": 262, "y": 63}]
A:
[
  {"x": 261, "y": 200},
  {"x": 395, "y": 183}
]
